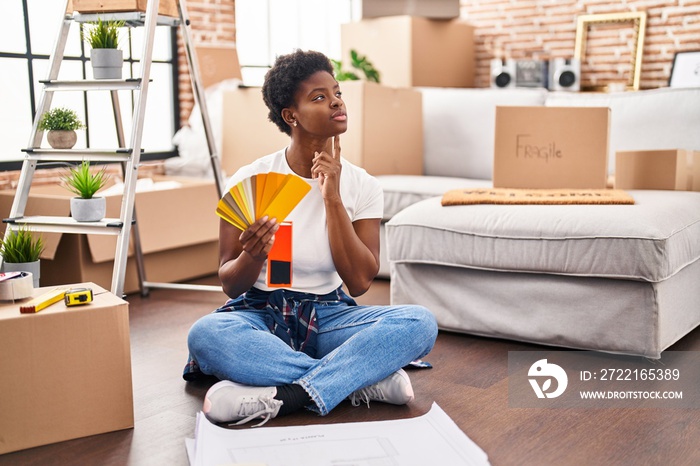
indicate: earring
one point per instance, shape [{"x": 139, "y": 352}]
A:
[{"x": 295, "y": 123}]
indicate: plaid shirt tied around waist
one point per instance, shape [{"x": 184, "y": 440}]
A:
[{"x": 291, "y": 315}]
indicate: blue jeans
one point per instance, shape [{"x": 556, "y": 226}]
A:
[{"x": 356, "y": 347}]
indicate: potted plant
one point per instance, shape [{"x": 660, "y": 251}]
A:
[
  {"x": 61, "y": 123},
  {"x": 83, "y": 182},
  {"x": 106, "y": 57},
  {"x": 20, "y": 252}
]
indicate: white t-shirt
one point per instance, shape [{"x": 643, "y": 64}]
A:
[{"x": 313, "y": 270}]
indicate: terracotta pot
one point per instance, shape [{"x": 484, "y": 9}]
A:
[{"x": 61, "y": 139}]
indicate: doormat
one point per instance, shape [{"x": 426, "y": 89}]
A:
[{"x": 535, "y": 196}]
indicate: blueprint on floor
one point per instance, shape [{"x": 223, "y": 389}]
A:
[{"x": 429, "y": 439}]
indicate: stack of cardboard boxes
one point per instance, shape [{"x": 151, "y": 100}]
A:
[
  {"x": 411, "y": 44},
  {"x": 66, "y": 371}
]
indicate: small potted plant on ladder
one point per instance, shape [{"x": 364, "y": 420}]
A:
[
  {"x": 20, "y": 252},
  {"x": 84, "y": 182},
  {"x": 106, "y": 57},
  {"x": 61, "y": 123}
]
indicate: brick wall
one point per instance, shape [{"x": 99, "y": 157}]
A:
[{"x": 547, "y": 28}]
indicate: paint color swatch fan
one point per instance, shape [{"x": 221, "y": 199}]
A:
[{"x": 271, "y": 194}]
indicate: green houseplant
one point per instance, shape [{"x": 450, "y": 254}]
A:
[
  {"x": 359, "y": 63},
  {"x": 20, "y": 252},
  {"x": 61, "y": 123},
  {"x": 106, "y": 57},
  {"x": 84, "y": 183}
]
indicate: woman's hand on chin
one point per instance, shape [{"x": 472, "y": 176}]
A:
[{"x": 327, "y": 167}]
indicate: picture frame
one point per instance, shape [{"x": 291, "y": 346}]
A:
[
  {"x": 685, "y": 70},
  {"x": 637, "y": 21}
]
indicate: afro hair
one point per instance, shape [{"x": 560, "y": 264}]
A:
[{"x": 283, "y": 80}]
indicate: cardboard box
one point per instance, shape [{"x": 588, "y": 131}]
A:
[
  {"x": 385, "y": 128},
  {"x": 246, "y": 133},
  {"x": 436, "y": 9},
  {"x": 165, "y": 7},
  {"x": 409, "y": 51},
  {"x": 658, "y": 169},
  {"x": 551, "y": 147},
  {"x": 178, "y": 229},
  {"x": 66, "y": 372},
  {"x": 384, "y": 136},
  {"x": 217, "y": 63}
]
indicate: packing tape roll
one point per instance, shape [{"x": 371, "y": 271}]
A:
[{"x": 19, "y": 287}]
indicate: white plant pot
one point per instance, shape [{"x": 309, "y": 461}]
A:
[
  {"x": 33, "y": 267},
  {"x": 88, "y": 210},
  {"x": 106, "y": 63},
  {"x": 61, "y": 139}
]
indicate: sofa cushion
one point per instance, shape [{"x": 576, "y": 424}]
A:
[
  {"x": 400, "y": 191},
  {"x": 654, "y": 119},
  {"x": 459, "y": 128},
  {"x": 649, "y": 241}
]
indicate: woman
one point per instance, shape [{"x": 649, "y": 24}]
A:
[{"x": 277, "y": 350}]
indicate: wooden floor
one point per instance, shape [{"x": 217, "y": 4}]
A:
[{"x": 469, "y": 382}]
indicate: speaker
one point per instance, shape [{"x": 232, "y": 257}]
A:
[
  {"x": 564, "y": 74},
  {"x": 502, "y": 73},
  {"x": 531, "y": 73}
]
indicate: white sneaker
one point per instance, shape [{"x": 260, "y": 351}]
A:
[
  {"x": 395, "y": 389},
  {"x": 228, "y": 401}
]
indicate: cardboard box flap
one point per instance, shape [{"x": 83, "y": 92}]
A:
[{"x": 217, "y": 63}]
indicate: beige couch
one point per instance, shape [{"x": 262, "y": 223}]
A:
[{"x": 620, "y": 279}]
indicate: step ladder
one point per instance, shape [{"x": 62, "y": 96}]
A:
[{"x": 128, "y": 155}]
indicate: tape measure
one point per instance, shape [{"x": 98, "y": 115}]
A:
[{"x": 78, "y": 296}]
